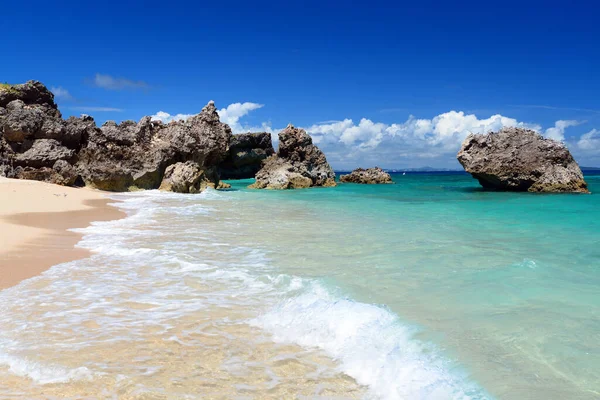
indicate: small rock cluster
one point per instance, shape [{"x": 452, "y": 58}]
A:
[{"x": 367, "y": 176}]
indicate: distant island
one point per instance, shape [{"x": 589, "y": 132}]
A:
[{"x": 419, "y": 169}]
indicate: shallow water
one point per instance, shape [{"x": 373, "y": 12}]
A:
[{"x": 426, "y": 289}]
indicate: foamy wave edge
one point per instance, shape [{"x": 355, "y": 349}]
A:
[{"x": 371, "y": 345}]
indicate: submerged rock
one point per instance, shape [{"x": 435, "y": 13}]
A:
[
  {"x": 518, "y": 159},
  {"x": 367, "y": 176},
  {"x": 247, "y": 151},
  {"x": 298, "y": 164}
]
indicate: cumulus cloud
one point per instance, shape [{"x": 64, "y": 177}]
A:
[
  {"x": 590, "y": 141},
  {"x": 557, "y": 132},
  {"x": 61, "y": 93},
  {"x": 111, "y": 83},
  {"x": 446, "y": 130},
  {"x": 232, "y": 113}
]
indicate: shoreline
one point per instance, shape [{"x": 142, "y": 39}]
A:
[{"x": 35, "y": 218}]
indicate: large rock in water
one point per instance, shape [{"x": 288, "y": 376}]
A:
[
  {"x": 367, "y": 176},
  {"x": 518, "y": 159},
  {"x": 247, "y": 151},
  {"x": 298, "y": 164},
  {"x": 135, "y": 155}
]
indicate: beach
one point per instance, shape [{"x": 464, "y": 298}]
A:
[
  {"x": 34, "y": 222},
  {"x": 429, "y": 288}
]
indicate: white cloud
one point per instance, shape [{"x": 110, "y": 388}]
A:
[
  {"x": 61, "y": 93},
  {"x": 557, "y": 132},
  {"x": 111, "y": 83},
  {"x": 166, "y": 117},
  {"x": 590, "y": 141},
  {"x": 232, "y": 113},
  {"x": 447, "y": 130}
]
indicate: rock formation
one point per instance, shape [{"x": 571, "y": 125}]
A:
[
  {"x": 297, "y": 164},
  {"x": 36, "y": 143},
  {"x": 517, "y": 159},
  {"x": 367, "y": 176},
  {"x": 247, "y": 152},
  {"x": 136, "y": 155}
]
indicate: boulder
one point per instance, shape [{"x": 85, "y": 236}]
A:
[
  {"x": 516, "y": 159},
  {"x": 247, "y": 151},
  {"x": 367, "y": 176},
  {"x": 189, "y": 177},
  {"x": 298, "y": 164}
]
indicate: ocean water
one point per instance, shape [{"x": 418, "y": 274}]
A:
[{"x": 426, "y": 289}]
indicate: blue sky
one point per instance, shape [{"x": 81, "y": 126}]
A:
[{"x": 394, "y": 84}]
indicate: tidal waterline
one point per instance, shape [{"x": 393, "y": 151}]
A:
[{"x": 428, "y": 288}]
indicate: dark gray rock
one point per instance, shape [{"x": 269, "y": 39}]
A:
[
  {"x": 298, "y": 164},
  {"x": 247, "y": 151},
  {"x": 130, "y": 155},
  {"x": 21, "y": 121},
  {"x": 367, "y": 176},
  {"x": 44, "y": 153},
  {"x": 516, "y": 159},
  {"x": 31, "y": 92}
]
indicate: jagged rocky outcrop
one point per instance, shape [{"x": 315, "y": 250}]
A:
[
  {"x": 297, "y": 164},
  {"x": 36, "y": 143},
  {"x": 136, "y": 155},
  {"x": 247, "y": 151},
  {"x": 518, "y": 159},
  {"x": 367, "y": 176}
]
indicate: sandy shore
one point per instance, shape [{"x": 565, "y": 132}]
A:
[{"x": 34, "y": 218}]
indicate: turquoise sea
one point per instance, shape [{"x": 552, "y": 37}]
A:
[
  {"x": 506, "y": 285},
  {"x": 430, "y": 288}
]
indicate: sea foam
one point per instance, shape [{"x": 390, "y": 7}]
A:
[{"x": 370, "y": 343}]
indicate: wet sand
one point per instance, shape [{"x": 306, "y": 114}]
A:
[{"x": 34, "y": 222}]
